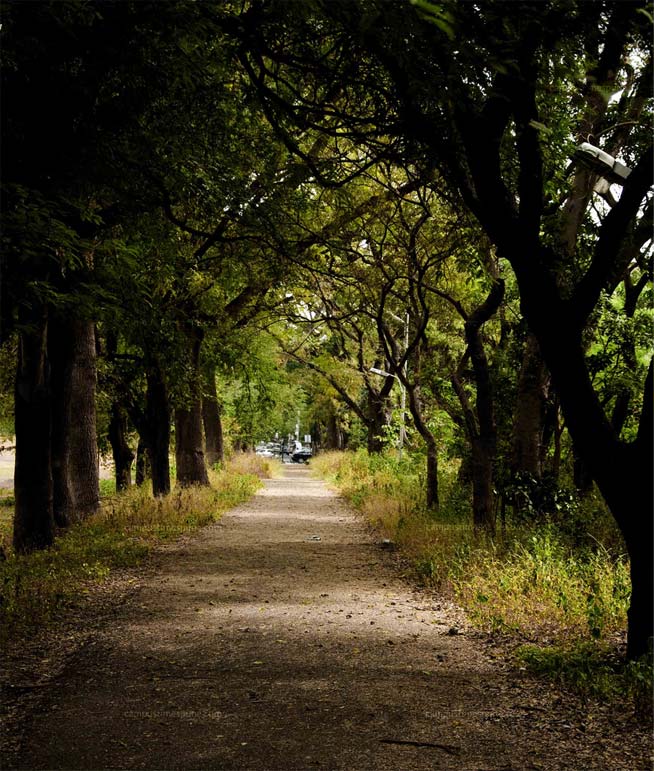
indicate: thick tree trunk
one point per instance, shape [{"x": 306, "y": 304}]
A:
[
  {"x": 529, "y": 414},
  {"x": 189, "y": 443},
  {"x": 122, "y": 452},
  {"x": 75, "y": 462},
  {"x": 189, "y": 453},
  {"x": 581, "y": 475},
  {"x": 82, "y": 434},
  {"x": 33, "y": 516},
  {"x": 60, "y": 357},
  {"x": 158, "y": 421},
  {"x": 213, "y": 428}
]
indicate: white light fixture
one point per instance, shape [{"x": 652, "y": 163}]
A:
[{"x": 601, "y": 163}]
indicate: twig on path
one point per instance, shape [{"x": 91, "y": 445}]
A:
[{"x": 407, "y": 742}]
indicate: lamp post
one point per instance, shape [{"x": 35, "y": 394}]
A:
[{"x": 383, "y": 373}]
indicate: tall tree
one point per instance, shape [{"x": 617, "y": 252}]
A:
[{"x": 491, "y": 98}]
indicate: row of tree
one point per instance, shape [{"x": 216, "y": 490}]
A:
[{"x": 369, "y": 184}]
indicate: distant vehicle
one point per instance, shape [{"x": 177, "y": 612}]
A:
[
  {"x": 302, "y": 455},
  {"x": 268, "y": 449}
]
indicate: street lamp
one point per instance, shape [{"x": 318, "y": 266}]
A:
[
  {"x": 601, "y": 163},
  {"x": 383, "y": 373}
]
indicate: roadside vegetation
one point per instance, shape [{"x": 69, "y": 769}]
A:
[
  {"x": 37, "y": 587},
  {"x": 557, "y": 587}
]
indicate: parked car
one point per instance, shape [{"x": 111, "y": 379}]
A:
[
  {"x": 302, "y": 455},
  {"x": 268, "y": 449}
]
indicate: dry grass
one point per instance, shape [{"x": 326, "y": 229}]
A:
[
  {"x": 529, "y": 580},
  {"x": 36, "y": 586},
  {"x": 568, "y": 603},
  {"x": 250, "y": 463}
]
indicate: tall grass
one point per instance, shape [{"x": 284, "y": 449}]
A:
[
  {"x": 36, "y": 587},
  {"x": 251, "y": 463},
  {"x": 529, "y": 579}
]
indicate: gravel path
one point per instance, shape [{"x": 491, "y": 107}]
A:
[{"x": 283, "y": 638}]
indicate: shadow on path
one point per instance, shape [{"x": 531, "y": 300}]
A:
[{"x": 282, "y": 638}]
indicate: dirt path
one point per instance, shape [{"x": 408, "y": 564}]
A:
[{"x": 282, "y": 638}]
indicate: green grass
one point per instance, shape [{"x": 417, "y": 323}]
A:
[
  {"x": 38, "y": 587},
  {"x": 594, "y": 671}
]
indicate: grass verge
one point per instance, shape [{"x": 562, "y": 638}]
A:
[
  {"x": 37, "y": 587},
  {"x": 564, "y": 595}
]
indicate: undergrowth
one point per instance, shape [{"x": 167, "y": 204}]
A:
[
  {"x": 36, "y": 587},
  {"x": 563, "y": 591}
]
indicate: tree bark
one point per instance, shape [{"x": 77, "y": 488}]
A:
[
  {"x": 74, "y": 452},
  {"x": 82, "y": 434},
  {"x": 189, "y": 445},
  {"x": 122, "y": 452},
  {"x": 431, "y": 490},
  {"x": 34, "y": 526},
  {"x": 482, "y": 456},
  {"x": 483, "y": 460},
  {"x": 529, "y": 414},
  {"x": 378, "y": 415},
  {"x": 480, "y": 422},
  {"x": 213, "y": 429},
  {"x": 143, "y": 465},
  {"x": 334, "y": 434},
  {"x": 158, "y": 422},
  {"x": 60, "y": 358},
  {"x": 432, "y": 476},
  {"x": 189, "y": 453}
]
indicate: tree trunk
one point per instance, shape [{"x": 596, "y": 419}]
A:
[
  {"x": 143, "y": 465},
  {"x": 122, "y": 452},
  {"x": 82, "y": 434},
  {"x": 581, "y": 475},
  {"x": 334, "y": 435},
  {"x": 189, "y": 453},
  {"x": 75, "y": 462},
  {"x": 483, "y": 511},
  {"x": 430, "y": 442},
  {"x": 480, "y": 421},
  {"x": 378, "y": 419},
  {"x": 33, "y": 514},
  {"x": 158, "y": 421},
  {"x": 432, "y": 476},
  {"x": 213, "y": 429},
  {"x": 529, "y": 414},
  {"x": 189, "y": 444},
  {"x": 60, "y": 358}
]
